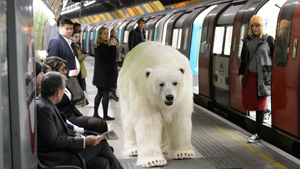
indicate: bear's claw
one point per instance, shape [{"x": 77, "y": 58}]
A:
[
  {"x": 132, "y": 152},
  {"x": 185, "y": 154},
  {"x": 154, "y": 162}
]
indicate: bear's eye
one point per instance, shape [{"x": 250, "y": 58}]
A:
[
  {"x": 162, "y": 84},
  {"x": 175, "y": 83}
]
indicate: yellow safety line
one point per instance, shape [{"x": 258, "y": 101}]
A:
[{"x": 257, "y": 152}]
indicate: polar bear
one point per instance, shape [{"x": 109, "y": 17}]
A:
[{"x": 156, "y": 95}]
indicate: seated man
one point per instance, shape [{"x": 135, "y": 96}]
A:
[{"x": 53, "y": 132}]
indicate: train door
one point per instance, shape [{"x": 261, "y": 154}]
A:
[
  {"x": 195, "y": 44},
  {"x": 83, "y": 42},
  {"x": 240, "y": 31},
  {"x": 117, "y": 27},
  {"x": 187, "y": 30},
  {"x": 93, "y": 39},
  {"x": 270, "y": 19},
  {"x": 285, "y": 70},
  {"x": 88, "y": 34},
  {"x": 163, "y": 41},
  {"x": 170, "y": 27},
  {"x": 121, "y": 31},
  {"x": 151, "y": 27},
  {"x": 220, "y": 53},
  {"x": 110, "y": 27},
  {"x": 129, "y": 27},
  {"x": 177, "y": 32},
  {"x": 205, "y": 59},
  {"x": 159, "y": 27},
  {"x": 146, "y": 27}
]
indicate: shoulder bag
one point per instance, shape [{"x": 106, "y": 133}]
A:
[{"x": 76, "y": 89}]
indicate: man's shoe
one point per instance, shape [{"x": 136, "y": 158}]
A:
[
  {"x": 114, "y": 96},
  {"x": 253, "y": 139},
  {"x": 108, "y": 118}
]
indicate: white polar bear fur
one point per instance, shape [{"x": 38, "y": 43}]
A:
[{"x": 147, "y": 121}]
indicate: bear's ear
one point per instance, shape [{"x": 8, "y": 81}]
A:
[
  {"x": 182, "y": 70},
  {"x": 147, "y": 72}
]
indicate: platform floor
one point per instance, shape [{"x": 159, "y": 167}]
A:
[{"x": 217, "y": 142}]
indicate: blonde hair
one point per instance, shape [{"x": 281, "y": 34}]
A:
[
  {"x": 257, "y": 19},
  {"x": 99, "y": 39}
]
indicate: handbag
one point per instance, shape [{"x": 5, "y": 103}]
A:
[
  {"x": 245, "y": 74},
  {"x": 76, "y": 89}
]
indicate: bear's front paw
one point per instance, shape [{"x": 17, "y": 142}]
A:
[
  {"x": 183, "y": 154},
  {"x": 132, "y": 152},
  {"x": 152, "y": 162}
]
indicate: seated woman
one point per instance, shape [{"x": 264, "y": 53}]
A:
[{"x": 65, "y": 106}]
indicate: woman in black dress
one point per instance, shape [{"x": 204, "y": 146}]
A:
[
  {"x": 105, "y": 76},
  {"x": 65, "y": 106}
]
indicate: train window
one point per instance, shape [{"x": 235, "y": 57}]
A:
[
  {"x": 228, "y": 38},
  {"x": 174, "y": 38},
  {"x": 218, "y": 39},
  {"x": 84, "y": 35},
  {"x": 186, "y": 34},
  {"x": 283, "y": 42},
  {"x": 204, "y": 32},
  {"x": 243, "y": 34},
  {"x": 284, "y": 33},
  {"x": 165, "y": 30},
  {"x": 92, "y": 35},
  {"x": 179, "y": 38},
  {"x": 146, "y": 34},
  {"x": 126, "y": 34}
]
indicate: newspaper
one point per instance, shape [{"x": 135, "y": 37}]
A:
[{"x": 110, "y": 135}]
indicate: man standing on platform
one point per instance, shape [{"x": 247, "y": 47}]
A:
[
  {"x": 63, "y": 47},
  {"x": 137, "y": 35}
]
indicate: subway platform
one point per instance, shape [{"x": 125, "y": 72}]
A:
[{"x": 218, "y": 143}]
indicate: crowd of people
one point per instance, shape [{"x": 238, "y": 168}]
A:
[{"x": 60, "y": 123}]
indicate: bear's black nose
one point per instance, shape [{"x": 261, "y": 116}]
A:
[{"x": 169, "y": 97}]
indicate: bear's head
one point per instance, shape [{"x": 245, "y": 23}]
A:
[{"x": 166, "y": 82}]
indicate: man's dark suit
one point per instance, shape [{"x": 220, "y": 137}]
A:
[
  {"x": 58, "y": 46},
  {"x": 135, "y": 37},
  {"x": 53, "y": 133}
]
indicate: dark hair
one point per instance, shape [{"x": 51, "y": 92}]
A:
[
  {"x": 51, "y": 83},
  {"x": 142, "y": 20},
  {"x": 65, "y": 21},
  {"x": 76, "y": 24},
  {"x": 46, "y": 68},
  {"x": 74, "y": 32},
  {"x": 55, "y": 62}
]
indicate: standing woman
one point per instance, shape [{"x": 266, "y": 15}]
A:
[
  {"x": 75, "y": 37},
  {"x": 105, "y": 76},
  {"x": 255, "y": 71}
]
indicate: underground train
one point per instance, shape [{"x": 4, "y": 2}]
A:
[{"x": 210, "y": 34}]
